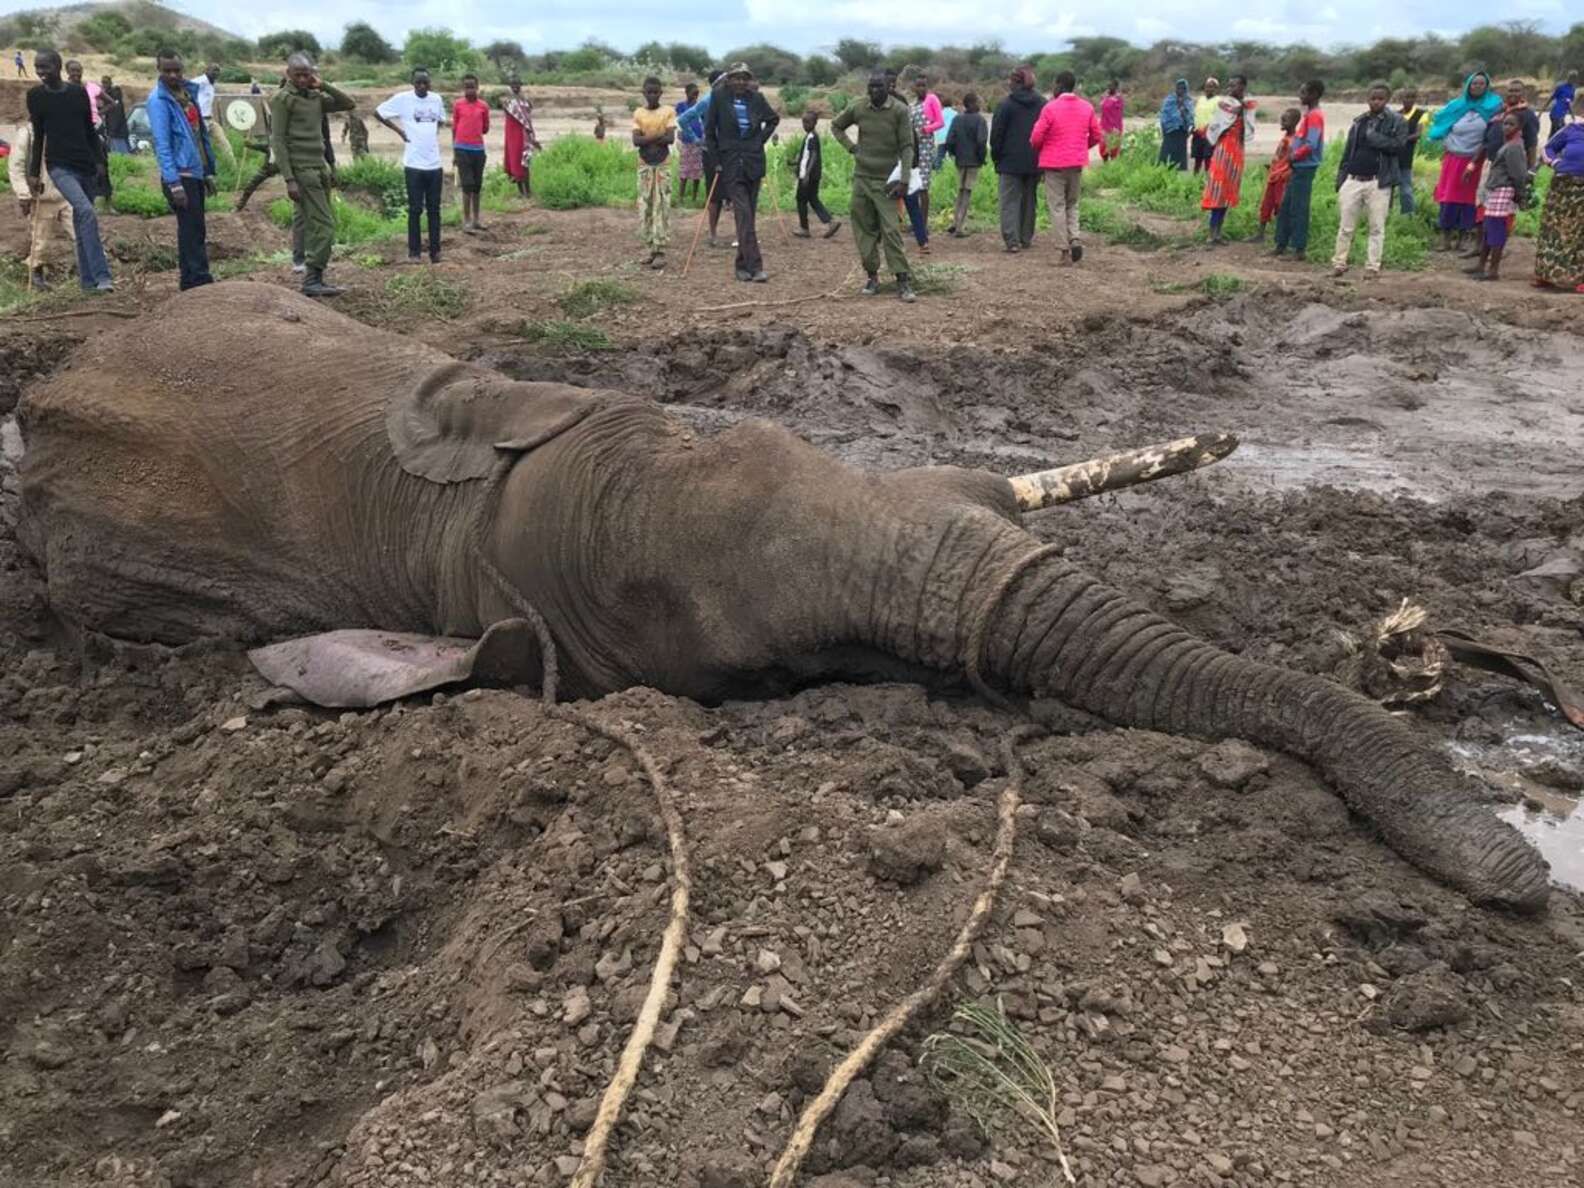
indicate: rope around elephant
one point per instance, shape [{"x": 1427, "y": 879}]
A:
[
  {"x": 626, "y": 1074},
  {"x": 902, "y": 1014}
]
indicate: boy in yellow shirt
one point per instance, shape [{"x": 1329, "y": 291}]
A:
[{"x": 654, "y": 130}]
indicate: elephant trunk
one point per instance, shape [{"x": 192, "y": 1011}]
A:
[{"x": 1047, "y": 628}]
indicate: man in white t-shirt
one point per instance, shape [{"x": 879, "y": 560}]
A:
[
  {"x": 206, "y": 98},
  {"x": 419, "y": 114}
]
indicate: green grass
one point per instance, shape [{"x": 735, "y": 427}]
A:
[
  {"x": 587, "y": 298},
  {"x": 356, "y": 224},
  {"x": 932, "y": 280},
  {"x": 1137, "y": 181},
  {"x": 564, "y": 335},
  {"x": 1220, "y": 284},
  {"x": 423, "y": 294}
]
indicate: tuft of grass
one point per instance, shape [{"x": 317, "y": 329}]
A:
[
  {"x": 243, "y": 265},
  {"x": 988, "y": 1068},
  {"x": 368, "y": 260},
  {"x": 577, "y": 171},
  {"x": 564, "y": 335},
  {"x": 1221, "y": 284},
  {"x": 423, "y": 294},
  {"x": 587, "y": 298},
  {"x": 932, "y": 280},
  {"x": 133, "y": 198}
]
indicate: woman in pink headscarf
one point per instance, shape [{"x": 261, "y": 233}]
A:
[{"x": 1111, "y": 123}]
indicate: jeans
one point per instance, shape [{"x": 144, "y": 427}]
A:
[
  {"x": 423, "y": 198},
  {"x": 1292, "y": 220},
  {"x": 78, "y": 189},
  {"x": 191, "y": 246},
  {"x": 915, "y": 214}
]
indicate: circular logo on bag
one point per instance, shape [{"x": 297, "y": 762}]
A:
[{"x": 240, "y": 114}]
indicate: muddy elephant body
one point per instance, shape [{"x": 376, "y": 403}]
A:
[{"x": 338, "y": 477}]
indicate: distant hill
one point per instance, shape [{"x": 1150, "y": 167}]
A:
[{"x": 140, "y": 14}]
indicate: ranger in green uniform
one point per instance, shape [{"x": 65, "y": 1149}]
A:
[
  {"x": 297, "y": 139},
  {"x": 885, "y": 142}
]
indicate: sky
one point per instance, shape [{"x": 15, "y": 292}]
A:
[{"x": 812, "y": 25}]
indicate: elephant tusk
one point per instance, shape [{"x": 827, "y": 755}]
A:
[{"x": 1046, "y": 488}]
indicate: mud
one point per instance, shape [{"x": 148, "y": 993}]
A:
[
  {"x": 1426, "y": 402},
  {"x": 242, "y": 942}
]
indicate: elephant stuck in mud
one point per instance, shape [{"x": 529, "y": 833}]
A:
[{"x": 281, "y": 470}]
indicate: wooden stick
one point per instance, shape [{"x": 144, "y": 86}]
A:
[
  {"x": 698, "y": 231},
  {"x": 775, "y": 203},
  {"x": 786, "y": 1168}
]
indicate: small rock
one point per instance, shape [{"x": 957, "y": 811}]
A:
[
  {"x": 567, "y": 1165},
  {"x": 768, "y": 961},
  {"x": 1174, "y": 1054},
  {"x": 1433, "y": 997},
  {"x": 908, "y": 852},
  {"x": 166, "y": 1119},
  {"x": 776, "y": 870},
  {"x": 1235, "y": 937},
  {"x": 1232, "y": 763},
  {"x": 1131, "y": 888},
  {"x": 576, "y": 1007},
  {"x": 49, "y": 1053},
  {"x": 1004, "y": 1172},
  {"x": 232, "y": 725},
  {"x": 752, "y": 997}
]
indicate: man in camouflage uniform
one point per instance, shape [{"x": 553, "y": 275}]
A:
[
  {"x": 297, "y": 143},
  {"x": 885, "y": 149}
]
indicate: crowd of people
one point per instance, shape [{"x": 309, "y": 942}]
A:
[{"x": 1490, "y": 141}]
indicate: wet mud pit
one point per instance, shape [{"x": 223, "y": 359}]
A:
[{"x": 287, "y": 946}]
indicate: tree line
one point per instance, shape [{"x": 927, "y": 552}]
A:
[{"x": 1511, "y": 48}]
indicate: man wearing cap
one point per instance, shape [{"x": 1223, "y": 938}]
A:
[
  {"x": 883, "y": 157},
  {"x": 736, "y": 128}
]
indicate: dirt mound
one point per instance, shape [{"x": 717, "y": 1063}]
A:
[
  {"x": 1430, "y": 402},
  {"x": 288, "y": 946}
]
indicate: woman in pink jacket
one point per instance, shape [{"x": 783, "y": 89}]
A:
[{"x": 1062, "y": 136}]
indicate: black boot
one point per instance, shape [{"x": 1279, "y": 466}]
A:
[
  {"x": 871, "y": 286},
  {"x": 40, "y": 285},
  {"x": 315, "y": 286},
  {"x": 905, "y": 289}
]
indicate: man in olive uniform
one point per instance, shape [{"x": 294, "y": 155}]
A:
[
  {"x": 297, "y": 142},
  {"x": 884, "y": 151}
]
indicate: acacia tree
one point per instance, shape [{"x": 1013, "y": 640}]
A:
[
  {"x": 361, "y": 40},
  {"x": 287, "y": 42}
]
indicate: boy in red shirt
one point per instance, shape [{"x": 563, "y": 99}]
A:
[
  {"x": 469, "y": 126},
  {"x": 1280, "y": 171}
]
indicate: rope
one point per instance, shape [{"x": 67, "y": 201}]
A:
[
  {"x": 626, "y": 1074},
  {"x": 902, "y": 1014},
  {"x": 974, "y": 649}
]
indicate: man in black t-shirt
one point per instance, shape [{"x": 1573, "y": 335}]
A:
[
  {"x": 112, "y": 106},
  {"x": 66, "y": 143}
]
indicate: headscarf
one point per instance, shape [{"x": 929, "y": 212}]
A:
[
  {"x": 1487, "y": 105},
  {"x": 1024, "y": 76}
]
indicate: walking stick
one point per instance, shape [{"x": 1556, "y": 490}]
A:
[
  {"x": 699, "y": 229},
  {"x": 775, "y": 204}
]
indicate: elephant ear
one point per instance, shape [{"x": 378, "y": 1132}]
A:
[{"x": 454, "y": 424}]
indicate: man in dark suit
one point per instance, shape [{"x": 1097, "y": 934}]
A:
[{"x": 739, "y": 123}]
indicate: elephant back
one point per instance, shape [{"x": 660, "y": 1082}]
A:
[{"x": 244, "y": 462}]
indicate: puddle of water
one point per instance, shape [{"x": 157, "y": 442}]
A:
[
  {"x": 1553, "y": 821},
  {"x": 1560, "y": 839}
]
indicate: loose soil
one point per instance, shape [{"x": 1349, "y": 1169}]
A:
[{"x": 248, "y": 942}]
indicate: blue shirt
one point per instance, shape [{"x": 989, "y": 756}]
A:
[
  {"x": 690, "y": 123},
  {"x": 1566, "y": 149},
  {"x": 740, "y": 106},
  {"x": 1562, "y": 100},
  {"x": 1176, "y": 116}
]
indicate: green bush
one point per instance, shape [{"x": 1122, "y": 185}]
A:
[
  {"x": 379, "y": 177},
  {"x": 577, "y": 171},
  {"x": 355, "y": 224},
  {"x": 589, "y": 297},
  {"x": 794, "y": 99},
  {"x": 440, "y": 51}
]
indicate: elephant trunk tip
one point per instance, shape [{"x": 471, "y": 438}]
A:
[{"x": 1491, "y": 862}]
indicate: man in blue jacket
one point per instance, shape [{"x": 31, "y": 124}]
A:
[{"x": 186, "y": 164}]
